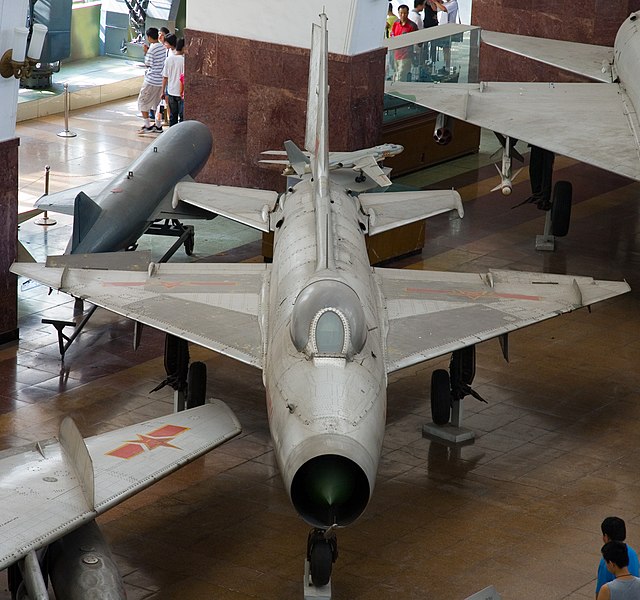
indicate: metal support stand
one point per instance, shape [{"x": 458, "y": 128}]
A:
[
  {"x": 311, "y": 592},
  {"x": 60, "y": 325},
  {"x": 66, "y": 133},
  {"x": 46, "y": 220},
  {"x": 179, "y": 401},
  {"x": 451, "y": 433},
  {"x": 546, "y": 241},
  {"x": 173, "y": 227}
]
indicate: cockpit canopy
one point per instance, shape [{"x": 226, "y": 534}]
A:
[{"x": 328, "y": 320}]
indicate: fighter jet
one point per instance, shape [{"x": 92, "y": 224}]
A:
[
  {"x": 326, "y": 328},
  {"x": 110, "y": 216},
  {"x": 596, "y": 123},
  {"x": 363, "y": 162}
]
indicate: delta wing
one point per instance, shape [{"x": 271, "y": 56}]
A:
[{"x": 431, "y": 313}]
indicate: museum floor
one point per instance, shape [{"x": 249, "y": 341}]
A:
[{"x": 557, "y": 444}]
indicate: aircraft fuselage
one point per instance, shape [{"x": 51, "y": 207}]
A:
[{"x": 324, "y": 369}]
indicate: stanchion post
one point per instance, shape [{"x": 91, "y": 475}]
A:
[
  {"x": 45, "y": 220},
  {"x": 66, "y": 133}
]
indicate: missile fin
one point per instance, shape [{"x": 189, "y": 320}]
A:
[{"x": 85, "y": 214}]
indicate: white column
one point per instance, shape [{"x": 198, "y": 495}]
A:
[
  {"x": 355, "y": 26},
  {"x": 13, "y": 13}
]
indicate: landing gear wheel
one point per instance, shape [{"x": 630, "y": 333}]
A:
[
  {"x": 561, "y": 208},
  {"x": 189, "y": 244},
  {"x": 440, "y": 397},
  {"x": 361, "y": 178},
  {"x": 320, "y": 562},
  {"x": 196, "y": 385}
]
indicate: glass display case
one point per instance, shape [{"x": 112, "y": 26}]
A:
[{"x": 427, "y": 56}]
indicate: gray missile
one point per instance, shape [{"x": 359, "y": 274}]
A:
[
  {"x": 120, "y": 211},
  {"x": 81, "y": 567}
]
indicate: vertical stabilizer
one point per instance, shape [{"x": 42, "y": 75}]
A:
[
  {"x": 317, "y": 141},
  {"x": 312, "y": 92},
  {"x": 85, "y": 214}
]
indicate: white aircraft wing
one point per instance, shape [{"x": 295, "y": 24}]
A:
[
  {"x": 166, "y": 210},
  {"x": 432, "y": 313},
  {"x": 213, "y": 305},
  {"x": 591, "y": 122},
  {"x": 63, "y": 202},
  {"x": 23, "y": 254},
  {"x": 394, "y": 209},
  {"x": 244, "y": 205},
  {"x": 50, "y": 488},
  {"x": 368, "y": 164},
  {"x": 583, "y": 59}
]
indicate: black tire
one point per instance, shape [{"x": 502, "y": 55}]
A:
[
  {"x": 320, "y": 563},
  {"x": 189, "y": 245},
  {"x": 561, "y": 208},
  {"x": 463, "y": 365},
  {"x": 176, "y": 357},
  {"x": 440, "y": 397},
  {"x": 196, "y": 385}
]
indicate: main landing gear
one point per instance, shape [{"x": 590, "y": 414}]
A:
[
  {"x": 361, "y": 178},
  {"x": 322, "y": 552},
  {"x": 189, "y": 381},
  {"x": 555, "y": 201},
  {"x": 448, "y": 389},
  {"x": 558, "y": 217}
]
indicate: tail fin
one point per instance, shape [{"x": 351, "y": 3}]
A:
[
  {"x": 313, "y": 90},
  {"x": 317, "y": 135},
  {"x": 317, "y": 141},
  {"x": 297, "y": 158},
  {"x": 85, "y": 214}
]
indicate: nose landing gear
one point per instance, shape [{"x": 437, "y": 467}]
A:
[{"x": 322, "y": 552}]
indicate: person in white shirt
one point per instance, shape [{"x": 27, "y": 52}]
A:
[
  {"x": 448, "y": 12},
  {"x": 173, "y": 69},
  {"x": 414, "y": 15},
  {"x": 151, "y": 90}
]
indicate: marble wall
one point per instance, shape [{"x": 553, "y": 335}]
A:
[
  {"x": 8, "y": 239},
  {"x": 586, "y": 21},
  {"x": 253, "y": 96}
]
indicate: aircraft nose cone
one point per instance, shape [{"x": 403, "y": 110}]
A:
[
  {"x": 330, "y": 489},
  {"x": 506, "y": 190}
]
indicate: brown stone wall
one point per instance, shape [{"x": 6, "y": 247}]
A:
[
  {"x": 253, "y": 96},
  {"x": 586, "y": 21},
  {"x": 8, "y": 239}
]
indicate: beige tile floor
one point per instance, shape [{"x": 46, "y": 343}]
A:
[{"x": 557, "y": 444}]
